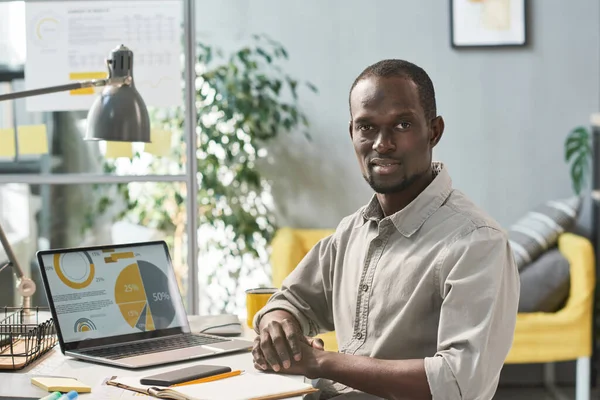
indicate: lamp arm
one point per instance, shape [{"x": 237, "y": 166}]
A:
[
  {"x": 25, "y": 286},
  {"x": 10, "y": 254},
  {"x": 70, "y": 86}
]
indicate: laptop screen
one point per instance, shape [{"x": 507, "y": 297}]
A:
[{"x": 106, "y": 292}]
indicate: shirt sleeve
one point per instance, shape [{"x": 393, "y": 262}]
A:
[
  {"x": 479, "y": 285},
  {"x": 306, "y": 291}
]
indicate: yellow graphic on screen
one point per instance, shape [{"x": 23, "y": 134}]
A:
[
  {"x": 118, "y": 256},
  {"x": 149, "y": 322},
  {"x": 84, "y": 325},
  {"x": 132, "y": 311},
  {"x": 142, "y": 294},
  {"x": 76, "y": 270}
]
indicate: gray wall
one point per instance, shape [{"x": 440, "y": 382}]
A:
[{"x": 507, "y": 111}]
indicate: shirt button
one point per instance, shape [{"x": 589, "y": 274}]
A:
[
  {"x": 359, "y": 335},
  {"x": 377, "y": 242},
  {"x": 365, "y": 288}
]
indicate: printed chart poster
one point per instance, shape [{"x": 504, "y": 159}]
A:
[{"x": 70, "y": 41}]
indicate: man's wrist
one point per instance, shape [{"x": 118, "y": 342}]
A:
[
  {"x": 276, "y": 314},
  {"x": 325, "y": 359}
]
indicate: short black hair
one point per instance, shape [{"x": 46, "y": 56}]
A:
[{"x": 393, "y": 68}]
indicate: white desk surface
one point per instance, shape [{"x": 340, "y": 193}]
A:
[{"x": 55, "y": 364}]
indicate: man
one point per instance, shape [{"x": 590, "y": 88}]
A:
[{"x": 420, "y": 285}]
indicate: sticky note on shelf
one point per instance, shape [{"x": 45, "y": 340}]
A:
[
  {"x": 32, "y": 139},
  {"x": 160, "y": 143},
  {"x": 7, "y": 143},
  {"x": 119, "y": 149}
]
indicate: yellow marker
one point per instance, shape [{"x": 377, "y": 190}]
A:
[
  {"x": 119, "y": 149},
  {"x": 32, "y": 139},
  {"x": 7, "y": 143},
  {"x": 85, "y": 76},
  {"x": 160, "y": 143}
]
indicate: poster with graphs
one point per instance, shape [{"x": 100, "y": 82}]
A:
[
  {"x": 70, "y": 41},
  {"x": 113, "y": 291}
]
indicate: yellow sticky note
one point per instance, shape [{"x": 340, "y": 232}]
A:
[
  {"x": 160, "y": 143},
  {"x": 57, "y": 384},
  {"x": 7, "y": 142},
  {"x": 32, "y": 139},
  {"x": 119, "y": 149}
]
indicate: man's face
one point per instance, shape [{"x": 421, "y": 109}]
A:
[{"x": 392, "y": 136}]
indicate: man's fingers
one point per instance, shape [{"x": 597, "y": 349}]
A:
[
  {"x": 293, "y": 337},
  {"x": 257, "y": 354},
  {"x": 316, "y": 343},
  {"x": 278, "y": 337},
  {"x": 269, "y": 336},
  {"x": 259, "y": 367}
]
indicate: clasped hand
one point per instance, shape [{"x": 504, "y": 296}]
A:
[{"x": 282, "y": 344}]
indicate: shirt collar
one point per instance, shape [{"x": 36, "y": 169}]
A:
[{"x": 408, "y": 220}]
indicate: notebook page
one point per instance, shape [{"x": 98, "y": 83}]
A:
[{"x": 245, "y": 386}]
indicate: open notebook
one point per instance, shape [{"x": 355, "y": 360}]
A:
[{"x": 247, "y": 386}]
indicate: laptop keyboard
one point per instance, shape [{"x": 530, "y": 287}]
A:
[{"x": 152, "y": 346}]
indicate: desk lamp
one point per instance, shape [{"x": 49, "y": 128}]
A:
[{"x": 117, "y": 114}]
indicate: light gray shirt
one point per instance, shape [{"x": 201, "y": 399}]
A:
[{"x": 435, "y": 281}]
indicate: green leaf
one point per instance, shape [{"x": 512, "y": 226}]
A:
[
  {"x": 312, "y": 87},
  {"x": 264, "y": 54},
  {"x": 578, "y": 154}
]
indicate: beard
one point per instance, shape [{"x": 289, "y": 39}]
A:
[{"x": 396, "y": 186}]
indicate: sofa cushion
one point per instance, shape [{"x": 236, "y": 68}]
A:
[
  {"x": 584, "y": 225},
  {"x": 545, "y": 283},
  {"x": 539, "y": 229}
]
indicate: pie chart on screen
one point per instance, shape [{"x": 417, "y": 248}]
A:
[{"x": 143, "y": 296}]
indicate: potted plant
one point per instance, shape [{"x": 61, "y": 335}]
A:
[{"x": 244, "y": 101}]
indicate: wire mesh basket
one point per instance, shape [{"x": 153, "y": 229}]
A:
[{"x": 25, "y": 335}]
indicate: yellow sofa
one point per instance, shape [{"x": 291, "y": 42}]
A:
[{"x": 539, "y": 337}]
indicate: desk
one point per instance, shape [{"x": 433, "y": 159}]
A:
[{"x": 54, "y": 363}]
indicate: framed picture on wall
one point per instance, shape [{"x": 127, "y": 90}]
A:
[{"x": 477, "y": 23}]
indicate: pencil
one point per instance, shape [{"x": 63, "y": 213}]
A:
[{"x": 209, "y": 378}]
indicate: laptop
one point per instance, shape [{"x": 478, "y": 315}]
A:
[{"x": 120, "y": 305}]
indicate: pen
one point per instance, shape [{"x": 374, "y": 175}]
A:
[
  {"x": 69, "y": 396},
  {"x": 210, "y": 378},
  {"x": 52, "y": 396}
]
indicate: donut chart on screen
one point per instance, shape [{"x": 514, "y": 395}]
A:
[
  {"x": 143, "y": 296},
  {"x": 76, "y": 270},
  {"x": 84, "y": 325}
]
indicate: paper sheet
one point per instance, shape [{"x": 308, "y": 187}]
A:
[
  {"x": 119, "y": 149},
  {"x": 7, "y": 143},
  {"x": 245, "y": 386},
  {"x": 160, "y": 143},
  {"x": 71, "y": 40},
  {"x": 106, "y": 392},
  {"x": 496, "y": 14},
  {"x": 33, "y": 139}
]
